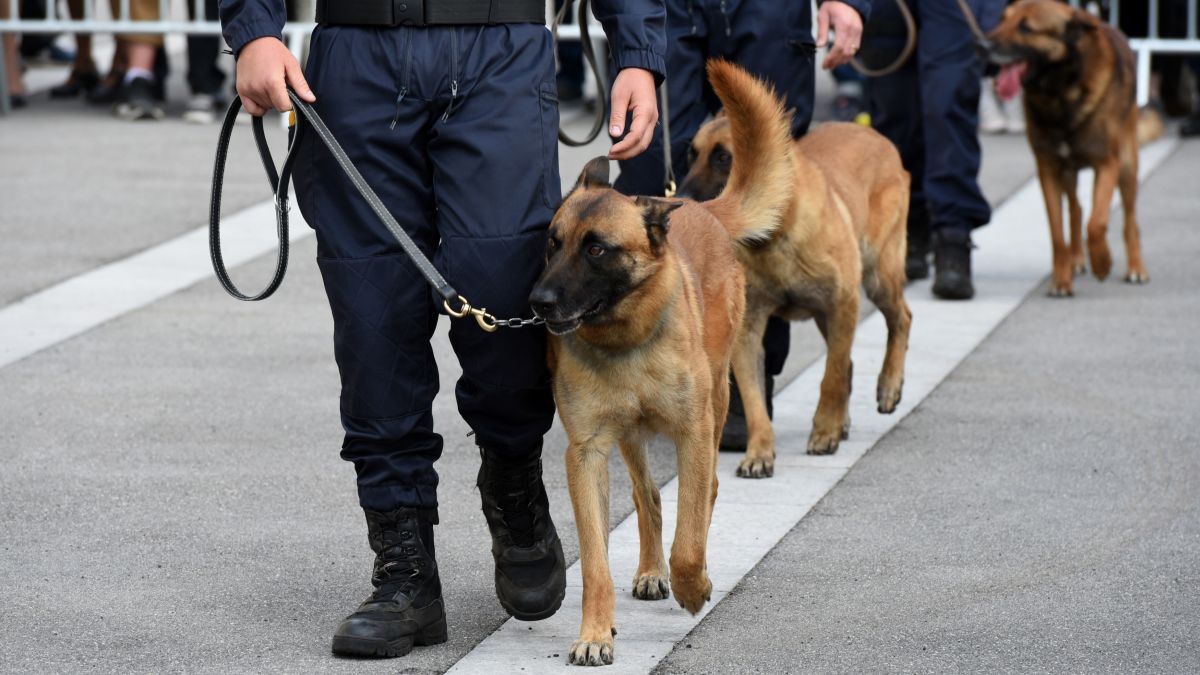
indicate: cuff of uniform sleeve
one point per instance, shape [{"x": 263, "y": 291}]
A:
[
  {"x": 863, "y": 7},
  {"x": 250, "y": 32},
  {"x": 644, "y": 59}
]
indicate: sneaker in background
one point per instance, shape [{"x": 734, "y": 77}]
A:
[
  {"x": 139, "y": 103},
  {"x": 80, "y": 82},
  {"x": 1014, "y": 114},
  {"x": 110, "y": 90},
  {"x": 992, "y": 119},
  {"x": 201, "y": 109}
]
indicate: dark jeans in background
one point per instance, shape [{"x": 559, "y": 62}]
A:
[{"x": 204, "y": 77}]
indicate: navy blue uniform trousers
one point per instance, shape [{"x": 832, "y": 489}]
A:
[
  {"x": 456, "y": 130},
  {"x": 770, "y": 38},
  {"x": 930, "y": 109}
]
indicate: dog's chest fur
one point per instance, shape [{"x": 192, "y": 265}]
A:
[{"x": 652, "y": 386}]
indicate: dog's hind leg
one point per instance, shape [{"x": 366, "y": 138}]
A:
[
  {"x": 1097, "y": 229},
  {"x": 650, "y": 582},
  {"x": 831, "y": 421},
  {"x": 1135, "y": 271},
  {"x": 587, "y": 478},
  {"x": 748, "y": 369},
  {"x": 1050, "y": 175},
  {"x": 885, "y": 288},
  {"x": 694, "y": 456},
  {"x": 1075, "y": 217}
]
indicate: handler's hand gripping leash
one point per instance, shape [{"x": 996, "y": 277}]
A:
[{"x": 305, "y": 116}]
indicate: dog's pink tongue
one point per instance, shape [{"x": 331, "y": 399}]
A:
[{"x": 1008, "y": 82}]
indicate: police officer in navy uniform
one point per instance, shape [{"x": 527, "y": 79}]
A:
[
  {"x": 930, "y": 109},
  {"x": 449, "y": 109},
  {"x": 773, "y": 40}
]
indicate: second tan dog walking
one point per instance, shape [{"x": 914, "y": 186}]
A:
[
  {"x": 644, "y": 299},
  {"x": 844, "y": 225}
]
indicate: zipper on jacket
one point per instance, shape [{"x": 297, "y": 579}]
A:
[
  {"x": 728, "y": 27},
  {"x": 692, "y": 16},
  {"x": 407, "y": 74},
  {"x": 453, "y": 71}
]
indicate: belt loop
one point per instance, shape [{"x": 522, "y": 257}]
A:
[{"x": 494, "y": 13}]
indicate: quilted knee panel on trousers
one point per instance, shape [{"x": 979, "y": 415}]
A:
[{"x": 383, "y": 318}]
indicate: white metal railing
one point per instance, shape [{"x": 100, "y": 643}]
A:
[
  {"x": 1152, "y": 43},
  {"x": 295, "y": 33},
  {"x": 57, "y": 21}
]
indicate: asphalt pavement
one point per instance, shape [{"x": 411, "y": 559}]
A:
[{"x": 171, "y": 499}]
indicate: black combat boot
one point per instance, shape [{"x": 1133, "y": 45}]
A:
[
  {"x": 735, "y": 436},
  {"x": 406, "y": 608},
  {"x": 952, "y": 266},
  {"x": 531, "y": 573},
  {"x": 920, "y": 243}
]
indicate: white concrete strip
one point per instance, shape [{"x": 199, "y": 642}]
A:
[
  {"x": 751, "y": 516},
  {"x": 90, "y": 299}
]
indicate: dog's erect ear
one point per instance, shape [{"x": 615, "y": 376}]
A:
[
  {"x": 1076, "y": 28},
  {"x": 595, "y": 174},
  {"x": 656, "y": 215}
]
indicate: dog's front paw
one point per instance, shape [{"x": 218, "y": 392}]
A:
[
  {"x": 1059, "y": 289},
  {"x": 824, "y": 443},
  {"x": 650, "y": 587},
  {"x": 1138, "y": 276},
  {"x": 693, "y": 591},
  {"x": 588, "y": 652},
  {"x": 1101, "y": 258},
  {"x": 756, "y": 467},
  {"x": 1078, "y": 268},
  {"x": 888, "y": 397}
]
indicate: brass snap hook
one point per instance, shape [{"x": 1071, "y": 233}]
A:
[{"x": 481, "y": 315}]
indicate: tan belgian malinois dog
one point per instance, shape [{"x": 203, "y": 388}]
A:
[
  {"x": 644, "y": 299},
  {"x": 1080, "y": 111},
  {"x": 844, "y": 225}
]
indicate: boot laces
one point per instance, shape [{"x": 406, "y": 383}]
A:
[
  {"x": 399, "y": 563},
  {"x": 516, "y": 491}
]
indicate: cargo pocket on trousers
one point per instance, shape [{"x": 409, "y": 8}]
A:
[
  {"x": 548, "y": 101},
  {"x": 804, "y": 45}
]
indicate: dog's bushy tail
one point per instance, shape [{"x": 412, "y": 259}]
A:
[{"x": 762, "y": 178}]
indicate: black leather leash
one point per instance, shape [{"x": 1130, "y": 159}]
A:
[
  {"x": 305, "y": 116},
  {"x": 589, "y": 54}
]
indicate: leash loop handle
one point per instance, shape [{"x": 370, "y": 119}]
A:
[
  {"x": 281, "y": 206},
  {"x": 589, "y": 53},
  {"x": 303, "y": 116}
]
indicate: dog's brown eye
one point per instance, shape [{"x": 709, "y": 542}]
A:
[
  {"x": 595, "y": 251},
  {"x": 725, "y": 158}
]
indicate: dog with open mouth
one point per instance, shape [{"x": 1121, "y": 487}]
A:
[
  {"x": 643, "y": 299},
  {"x": 1080, "y": 111}
]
